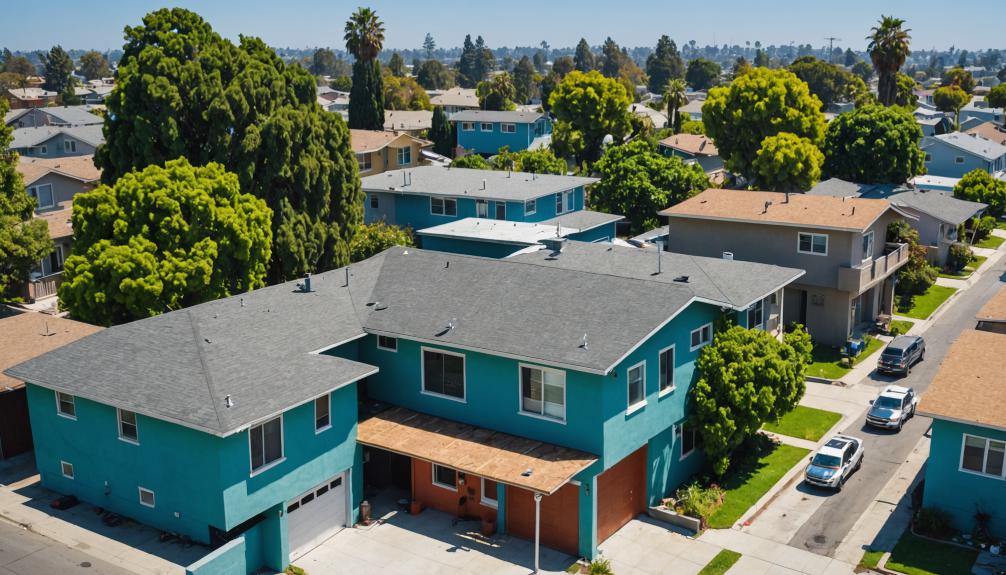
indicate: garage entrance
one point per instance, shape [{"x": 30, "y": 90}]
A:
[
  {"x": 560, "y": 517},
  {"x": 316, "y": 515},
  {"x": 621, "y": 493}
]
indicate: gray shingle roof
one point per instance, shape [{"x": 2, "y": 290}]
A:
[
  {"x": 27, "y": 137},
  {"x": 838, "y": 188},
  {"x": 584, "y": 220},
  {"x": 494, "y": 116},
  {"x": 978, "y": 146},
  {"x": 72, "y": 115},
  {"x": 939, "y": 205},
  {"x": 463, "y": 182}
]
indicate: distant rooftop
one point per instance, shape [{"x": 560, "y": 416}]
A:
[
  {"x": 978, "y": 146},
  {"x": 78, "y": 167},
  {"x": 458, "y": 97},
  {"x": 27, "y": 335},
  {"x": 695, "y": 144},
  {"x": 494, "y": 116},
  {"x": 464, "y": 182},
  {"x": 497, "y": 231},
  {"x": 28, "y": 137},
  {"x": 583, "y": 220}
]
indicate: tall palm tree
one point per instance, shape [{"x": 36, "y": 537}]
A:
[
  {"x": 364, "y": 34},
  {"x": 674, "y": 97},
  {"x": 888, "y": 49}
]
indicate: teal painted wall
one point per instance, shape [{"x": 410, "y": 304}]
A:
[
  {"x": 470, "y": 247},
  {"x": 600, "y": 233},
  {"x": 489, "y": 143},
  {"x": 229, "y": 559},
  {"x": 958, "y": 492}
]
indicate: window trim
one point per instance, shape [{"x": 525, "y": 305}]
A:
[
  {"x": 467, "y": 126},
  {"x": 365, "y": 162},
  {"x": 433, "y": 478},
  {"x": 812, "y": 235},
  {"x": 136, "y": 424},
  {"x": 508, "y": 128},
  {"x": 634, "y": 407},
  {"x": 873, "y": 246},
  {"x": 760, "y": 304},
  {"x": 679, "y": 436},
  {"x": 73, "y": 402},
  {"x": 985, "y": 458},
  {"x": 484, "y": 206},
  {"x": 520, "y": 393},
  {"x": 391, "y": 349},
  {"x": 407, "y": 150},
  {"x": 444, "y": 200},
  {"x": 153, "y": 496},
  {"x": 482, "y": 127},
  {"x": 33, "y": 192},
  {"x": 62, "y": 470},
  {"x": 491, "y": 502},
  {"x": 534, "y": 207},
  {"x": 958, "y": 159},
  {"x": 69, "y": 146},
  {"x": 375, "y": 201},
  {"x": 282, "y": 446},
  {"x": 496, "y": 209},
  {"x": 314, "y": 406},
  {"x": 669, "y": 389},
  {"x": 701, "y": 343},
  {"x": 422, "y": 374}
]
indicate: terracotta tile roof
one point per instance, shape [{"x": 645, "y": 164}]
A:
[
  {"x": 78, "y": 167},
  {"x": 989, "y": 131},
  {"x": 994, "y": 309},
  {"x": 22, "y": 337},
  {"x": 695, "y": 144},
  {"x": 970, "y": 386},
  {"x": 59, "y": 222},
  {"x": 852, "y": 214}
]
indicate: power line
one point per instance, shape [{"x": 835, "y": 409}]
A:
[{"x": 831, "y": 48}]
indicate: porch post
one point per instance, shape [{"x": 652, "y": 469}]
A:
[{"x": 537, "y": 528}]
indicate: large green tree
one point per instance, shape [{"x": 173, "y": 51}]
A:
[
  {"x": 404, "y": 93},
  {"x": 830, "y": 83},
  {"x": 94, "y": 65},
  {"x": 523, "y": 80},
  {"x": 979, "y": 186},
  {"x": 24, "y": 240},
  {"x": 498, "y": 93},
  {"x": 183, "y": 91},
  {"x": 583, "y": 59},
  {"x": 787, "y": 163},
  {"x": 638, "y": 181},
  {"x": 588, "y": 107},
  {"x": 674, "y": 98},
  {"x": 364, "y": 38},
  {"x": 396, "y": 65},
  {"x": 163, "y": 239},
  {"x": 540, "y": 161},
  {"x": 888, "y": 48},
  {"x": 757, "y": 105},
  {"x": 442, "y": 133},
  {"x": 374, "y": 238},
  {"x": 959, "y": 77},
  {"x": 997, "y": 97},
  {"x": 433, "y": 75},
  {"x": 874, "y": 144},
  {"x": 951, "y": 99},
  {"x": 702, "y": 74},
  {"x": 58, "y": 70},
  {"x": 746, "y": 377},
  {"x": 323, "y": 62},
  {"x": 664, "y": 65}
]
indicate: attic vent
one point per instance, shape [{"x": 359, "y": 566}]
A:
[{"x": 681, "y": 279}]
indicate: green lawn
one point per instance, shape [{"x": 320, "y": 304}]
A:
[
  {"x": 903, "y": 325},
  {"x": 870, "y": 559},
  {"x": 1001, "y": 225},
  {"x": 916, "y": 556},
  {"x": 720, "y": 564},
  {"x": 967, "y": 271},
  {"x": 827, "y": 361},
  {"x": 805, "y": 423},
  {"x": 924, "y": 305},
  {"x": 750, "y": 480},
  {"x": 991, "y": 242}
]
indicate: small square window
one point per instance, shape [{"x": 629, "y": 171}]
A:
[
  {"x": 530, "y": 207},
  {"x": 508, "y": 128},
  {"x": 128, "y": 431},
  {"x": 66, "y": 405},
  {"x": 66, "y": 469},
  {"x": 467, "y": 126},
  {"x": 387, "y": 343},
  {"x": 701, "y": 336},
  {"x": 404, "y": 156},
  {"x": 445, "y": 477},
  {"x": 959, "y": 160},
  {"x": 147, "y": 497},
  {"x": 486, "y": 127}
]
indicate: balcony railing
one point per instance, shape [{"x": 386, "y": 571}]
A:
[
  {"x": 44, "y": 287},
  {"x": 858, "y": 279}
]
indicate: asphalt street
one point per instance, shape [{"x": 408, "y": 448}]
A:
[
  {"x": 25, "y": 553},
  {"x": 886, "y": 450}
]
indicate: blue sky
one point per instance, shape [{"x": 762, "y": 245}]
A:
[{"x": 29, "y": 25}]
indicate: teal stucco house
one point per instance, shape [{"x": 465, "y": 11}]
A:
[
  {"x": 485, "y": 131},
  {"x": 544, "y": 394}
]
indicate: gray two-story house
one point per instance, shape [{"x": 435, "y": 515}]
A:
[{"x": 838, "y": 241}]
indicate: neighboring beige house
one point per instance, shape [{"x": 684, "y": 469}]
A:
[
  {"x": 455, "y": 100},
  {"x": 414, "y": 122},
  {"x": 698, "y": 148},
  {"x": 377, "y": 152},
  {"x": 989, "y": 131},
  {"x": 838, "y": 241},
  {"x": 30, "y": 97}
]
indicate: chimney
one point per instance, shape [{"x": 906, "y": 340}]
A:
[
  {"x": 853, "y": 211},
  {"x": 347, "y": 277},
  {"x": 728, "y": 255}
]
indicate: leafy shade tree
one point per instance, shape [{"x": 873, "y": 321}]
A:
[
  {"x": 583, "y": 59},
  {"x": 888, "y": 48},
  {"x": 472, "y": 162},
  {"x": 540, "y": 161},
  {"x": 996, "y": 97},
  {"x": 404, "y": 93},
  {"x": 788, "y": 163},
  {"x": 372, "y": 239},
  {"x": 850, "y": 58},
  {"x": 396, "y": 65},
  {"x": 523, "y": 80},
  {"x": 830, "y": 83},
  {"x": 918, "y": 275},
  {"x": 951, "y": 99},
  {"x": 546, "y": 87},
  {"x": 58, "y": 70},
  {"x": 702, "y": 74},
  {"x": 863, "y": 70},
  {"x": 664, "y": 65},
  {"x": 442, "y": 133},
  {"x": 498, "y": 93},
  {"x": 93, "y": 65},
  {"x": 747, "y": 377},
  {"x": 874, "y": 144},
  {"x": 563, "y": 65},
  {"x": 905, "y": 95},
  {"x": 433, "y": 75},
  {"x": 364, "y": 39},
  {"x": 240, "y": 106},
  {"x": 757, "y": 105},
  {"x": 741, "y": 66},
  {"x": 611, "y": 58},
  {"x": 588, "y": 107},
  {"x": 674, "y": 98},
  {"x": 323, "y": 62},
  {"x": 959, "y": 77},
  {"x": 19, "y": 66},
  {"x": 24, "y": 240},
  {"x": 539, "y": 62},
  {"x": 211, "y": 241},
  {"x": 342, "y": 84},
  {"x": 979, "y": 186},
  {"x": 639, "y": 181}
]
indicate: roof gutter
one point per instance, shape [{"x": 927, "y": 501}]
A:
[{"x": 962, "y": 421}]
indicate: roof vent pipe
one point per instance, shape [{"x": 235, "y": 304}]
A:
[
  {"x": 787, "y": 197},
  {"x": 660, "y": 248},
  {"x": 483, "y": 183},
  {"x": 728, "y": 255},
  {"x": 347, "y": 277},
  {"x": 227, "y": 401},
  {"x": 306, "y": 286}
]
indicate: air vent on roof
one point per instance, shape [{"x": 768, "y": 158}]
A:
[
  {"x": 728, "y": 255},
  {"x": 305, "y": 286},
  {"x": 554, "y": 244},
  {"x": 681, "y": 279},
  {"x": 378, "y": 306},
  {"x": 227, "y": 402}
]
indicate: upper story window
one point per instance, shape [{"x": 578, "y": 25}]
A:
[
  {"x": 364, "y": 161},
  {"x": 486, "y": 126},
  {"x": 701, "y": 336},
  {"x": 404, "y": 156},
  {"x": 265, "y": 441},
  {"x": 982, "y": 455},
  {"x": 530, "y": 207},
  {"x": 815, "y": 244},
  {"x": 467, "y": 126},
  {"x": 128, "y": 431},
  {"x": 66, "y": 469},
  {"x": 756, "y": 314},
  {"x": 508, "y": 128},
  {"x": 481, "y": 208},
  {"x": 667, "y": 370},
  {"x": 564, "y": 202},
  {"x": 44, "y": 150},
  {"x": 66, "y": 405},
  {"x": 322, "y": 413},
  {"x": 443, "y": 206},
  {"x": 69, "y": 146},
  {"x": 543, "y": 392},
  {"x": 959, "y": 160},
  {"x": 444, "y": 373},
  {"x": 500, "y": 210},
  {"x": 868, "y": 245},
  {"x": 43, "y": 195},
  {"x": 387, "y": 343},
  {"x": 636, "y": 383}
]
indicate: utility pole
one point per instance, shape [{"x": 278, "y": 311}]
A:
[{"x": 831, "y": 48}]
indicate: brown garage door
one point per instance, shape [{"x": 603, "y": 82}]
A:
[
  {"x": 621, "y": 493},
  {"x": 560, "y": 517}
]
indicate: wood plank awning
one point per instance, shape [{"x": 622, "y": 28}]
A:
[{"x": 518, "y": 461}]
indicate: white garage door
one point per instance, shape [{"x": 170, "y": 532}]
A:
[{"x": 316, "y": 515}]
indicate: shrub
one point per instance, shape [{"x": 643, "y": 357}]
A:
[
  {"x": 600, "y": 567},
  {"x": 934, "y": 522},
  {"x": 471, "y": 161},
  {"x": 959, "y": 256},
  {"x": 983, "y": 228},
  {"x": 696, "y": 501}
]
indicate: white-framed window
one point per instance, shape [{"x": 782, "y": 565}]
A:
[
  {"x": 467, "y": 126},
  {"x": 69, "y": 146},
  {"x": 364, "y": 161},
  {"x": 508, "y": 128},
  {"x": 564, "y": 202},
  {"x": 530, "y": 207},
  {"x": 701, "y": 337},
  {"x": 147, "y": 497},
  {"x": 323, "y": 413},
  {"x": 666, "y": 361},
  {"x": 959, "y": 160},
  {"x": 43, "y": 195},
  {"x": 375, "y": 202},
  {"x": 404, "y": 156},
  {"x": 500, "y": 210},
  {"x": 443, "y": 206},
  {"x": 486, "y": 126},
  {"x": 488, "y": 496},
  {"x": 756, "y": 314},
  {"x": 636, "y": 386},
  {"x": 128, "y": 430},
  {"x": 265, "y": 442},
  {"x": 983, "y": 456},
  {"x": 445, "y": 477},
  {"x": 687, "y": 437},
  {"x": 44, "y": 150},
  {"x": 387, "y": 343},
  {"x": 814, "y": 244},
  {"x": 481, "y": 208},
  {"x": 443, "y": 373},
  {"x": 66, "y": 468},
  {"x": 66, "y": 405},
  {"x": 868, "y": 245},
  {"x": 543, "y": 392}
]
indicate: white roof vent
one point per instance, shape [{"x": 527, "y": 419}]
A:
[{"x": 728, "y": 255}]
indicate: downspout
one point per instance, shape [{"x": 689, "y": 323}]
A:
[{"x": 537, "y": 528}]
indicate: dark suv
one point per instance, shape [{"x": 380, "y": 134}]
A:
[{"x": 901, "y": 354}]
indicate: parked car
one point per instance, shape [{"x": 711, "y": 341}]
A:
[
  {"x": 893, "y": 407},
  {"x": 901, "y": 354},
  {"x": 832, "y": 465}
]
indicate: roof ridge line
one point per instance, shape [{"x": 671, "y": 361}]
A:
[{"x": 210, "y": 388}]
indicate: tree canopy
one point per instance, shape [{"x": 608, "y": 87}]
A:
[
  {"x": 951, "y": 99},
  {"x": 874, "y": 144},
  {"x": 364, "y": 39},
  {"x": 404, "y": 93},
  {"x": 472, "y": 162},
  {"x": 476, "y": 62},
  {"x": 888, "y": 48},
  {"x": 540, "y": 161},
  {"x": 396, "y": 65},
  {"x": 58, "y": 71},
  {"x": 588, "y": 107},
  {"x": 959, "y": 77},
  {"x": 442, "y": 133},
  {"x": 787, "y": 163},
  {"x": 830, "y": 83},
  {"x": 979, "y": 186},
  {"x": 497, "y": 93},
  {"x": 757, "y": 105},
  {"x": 563, "y": 65},
  {"x": 702, "y": 74},
  {"x": 93, "y": 65},
  {"x": 524, "y": 80},
  {"x": 664, "y": 65},
  {"x": 638, "y": 181},
  {"x": 433, "y": 75},
  {"x": 163, "y": 239},
  {"x": 323, "y": 63},
  {"x": 372, "y": 239}
]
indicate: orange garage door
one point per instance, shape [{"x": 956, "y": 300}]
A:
[
  {"x": 560, "y": 517},
  {"x": 621, "y": 493}
]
